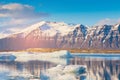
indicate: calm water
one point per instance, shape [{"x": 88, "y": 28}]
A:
[{"x": 99, "y": 67}]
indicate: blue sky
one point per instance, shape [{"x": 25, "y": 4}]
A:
[{"x": 87, "y": 12}]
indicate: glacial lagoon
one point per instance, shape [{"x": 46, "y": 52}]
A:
[{"x": 35, "y": 67}]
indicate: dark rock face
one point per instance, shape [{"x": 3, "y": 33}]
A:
[{"x": 98, "y": 37}]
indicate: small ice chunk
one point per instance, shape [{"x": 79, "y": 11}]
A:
[{"x": 7, "y": 57}]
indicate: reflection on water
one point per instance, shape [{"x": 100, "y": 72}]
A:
[
  {"x": 98, "y": 69},
  {"x": 29, "y": 69}
]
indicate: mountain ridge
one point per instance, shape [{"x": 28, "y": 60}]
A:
[{"x": 61, "y": 35}]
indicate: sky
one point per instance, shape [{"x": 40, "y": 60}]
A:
[{"x": 16, "y": 14}]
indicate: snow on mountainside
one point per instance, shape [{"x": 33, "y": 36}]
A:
[
  {"x": 61, "y": 35},
  {"x": 33, "y": 27},
  {"x": 51, "y": 28}
]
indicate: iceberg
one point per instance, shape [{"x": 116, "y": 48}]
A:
[
  {"x": 62, "y": 72},
  {"x": 7, "y": 57},
  {"x": 58, "y": 57}
]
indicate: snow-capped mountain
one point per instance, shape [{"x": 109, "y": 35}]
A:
[
  {"x": 61, "y": 35},
  {"x": 47, "y": 28}
]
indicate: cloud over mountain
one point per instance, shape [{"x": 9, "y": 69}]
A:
[
  {"x": 18, "y": 11},
  {"x": 108, "y": 21},
  {"x": 18, "y": 15}
]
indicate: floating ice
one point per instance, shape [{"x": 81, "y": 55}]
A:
[
  {"x": 56, "y": 57},
  {"x": 7, "y": 57},
  {"x": 61, "y": 72}
]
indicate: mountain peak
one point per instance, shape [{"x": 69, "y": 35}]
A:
[
  {"x": 32, "y": 27},
  {"x": 62, "y": 35}
]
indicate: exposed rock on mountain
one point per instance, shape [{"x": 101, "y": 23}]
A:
[{"x": 62, "y": 35}]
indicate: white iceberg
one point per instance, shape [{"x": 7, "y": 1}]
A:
[
  {"x": 61, "y": 72},
  {"x": 58, "y": 57}
]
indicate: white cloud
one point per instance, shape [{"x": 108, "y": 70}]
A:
[
  {"x": 17, "y": 11},
  {"x": 108, "y": 21},
  {"x": 15, "y": 6},
  {"x": 16, "y": 15}
]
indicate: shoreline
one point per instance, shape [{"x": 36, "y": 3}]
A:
[{"x": 70, "y": 50}]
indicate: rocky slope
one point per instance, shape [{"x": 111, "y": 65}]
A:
[{"x": 62, "y": 35}]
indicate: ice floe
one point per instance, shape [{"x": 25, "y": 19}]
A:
[
  {"x": 7, "y": 57},
  {"x": 62, "y": 72},
  {"x": 56, "y": 57}
]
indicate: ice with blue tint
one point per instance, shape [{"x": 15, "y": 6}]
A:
[
  {"x": 56, "y": 57},
  {"x": 61, "y": 72},
  {"x": 7, "y": 57}
]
